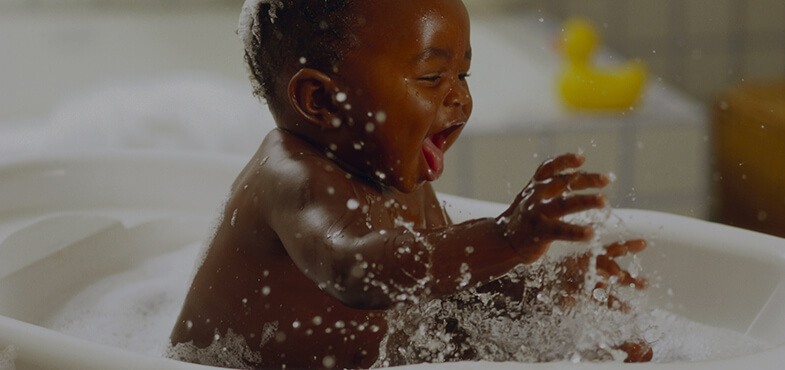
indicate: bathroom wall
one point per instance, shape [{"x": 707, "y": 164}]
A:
[
  {"x": 55, "y": 49},
  {"x": 52, "y": 50},
  {"x": 699, "y": 46}
]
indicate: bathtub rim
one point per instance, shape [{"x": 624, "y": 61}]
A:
[{"x": 67, "y": 352}]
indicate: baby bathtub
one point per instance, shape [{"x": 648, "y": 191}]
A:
[{"x": 66, "y": 221}]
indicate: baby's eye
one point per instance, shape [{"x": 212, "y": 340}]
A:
[
  {"x": 464, "y": 76},
  {"x": 431, "y": 79}
]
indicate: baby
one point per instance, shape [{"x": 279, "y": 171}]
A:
[{"x": 334, "y": 220}]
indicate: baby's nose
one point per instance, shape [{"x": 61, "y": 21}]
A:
[{"x": 459, "y": 94}]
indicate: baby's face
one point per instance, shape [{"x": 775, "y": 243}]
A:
[{"x": 406, "y": 89}]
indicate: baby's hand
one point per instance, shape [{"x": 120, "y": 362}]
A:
[
  {"x": 575, "y": 269},
  {"x": 574, "y": 280},
  {"x": 533, "y": 220}
]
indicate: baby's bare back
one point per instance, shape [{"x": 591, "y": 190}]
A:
[{"x": 249, "y": 286}]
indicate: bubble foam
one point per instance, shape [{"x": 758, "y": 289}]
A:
[
  {"x": 8, "y": 358},
  {"x": 134, "y": 309}
]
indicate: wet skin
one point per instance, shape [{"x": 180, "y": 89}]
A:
[{"x": 333, "y": 221}]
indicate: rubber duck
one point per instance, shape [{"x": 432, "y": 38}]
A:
[{"x": 584, "y": 85}]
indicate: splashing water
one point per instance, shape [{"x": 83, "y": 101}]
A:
[
  {"x": 528, "y": 325},
  {"x": 517, "y": 318},
  {"x": 526, "y": 316},
  {"x": 229, "y": 350},
  {"x": 529, "y": 316}
]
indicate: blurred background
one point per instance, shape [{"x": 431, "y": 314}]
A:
[{"x": 707, "y": 138}]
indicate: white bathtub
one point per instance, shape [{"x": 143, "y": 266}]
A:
[{"x": 67, "y": 221}]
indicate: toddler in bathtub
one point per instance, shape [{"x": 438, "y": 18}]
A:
[{"x": 334, "y": 220}]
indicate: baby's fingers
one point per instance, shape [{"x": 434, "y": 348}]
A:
[
  {"x": 626, "y": 279},
  {"x": 559, "y": 207},
  {"x": 556, "y": 165},
  {"x": 622, "y": 248},
  {"x": 573, "y": 182},
  {"x": 607, "y": 268},
  {"x": 559, "y": 230}
]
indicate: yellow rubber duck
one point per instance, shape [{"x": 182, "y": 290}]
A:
[{"x": 586, "y": 86}]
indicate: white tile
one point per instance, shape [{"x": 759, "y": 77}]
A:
[
  {"x": 709, "y": 17},
  {"x": 502, "y": 165},
  {"x": 671, "y": 160}
]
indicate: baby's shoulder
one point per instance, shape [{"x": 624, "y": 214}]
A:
[
  {"x": 287, "y": 166},
  {"x": 288, "y": 158}
]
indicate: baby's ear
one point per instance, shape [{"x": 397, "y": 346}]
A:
[{"x": 311, "y": 94}]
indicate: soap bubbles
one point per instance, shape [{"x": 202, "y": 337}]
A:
[{"x": 7, "y": 358}]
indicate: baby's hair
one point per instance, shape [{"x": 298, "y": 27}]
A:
[{"x": 279, "y": 33}]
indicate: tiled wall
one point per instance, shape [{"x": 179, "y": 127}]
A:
[
  {"x": 659, "y": 160},
  {"x": 700, "y": 46}
]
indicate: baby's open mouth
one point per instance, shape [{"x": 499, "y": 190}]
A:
[{"x": 433, "y": 149}]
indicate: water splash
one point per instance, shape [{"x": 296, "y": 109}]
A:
[
  {"x": 229, "y": 351},
  {"x": 531, "y": 315},
  {"x": 526, "y": 316}
]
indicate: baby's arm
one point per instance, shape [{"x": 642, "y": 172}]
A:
[
  {"x": 342, "y": 233},
  {"x": 332, "y": 229}
]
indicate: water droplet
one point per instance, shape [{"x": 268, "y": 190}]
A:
[
  {"x": 317, "y": 320},
  {"x": 328, "y": 362},
  {"x": 599, "y": 294},
  {"x": 357, "y": 271},
  {"x": 266, "y": 290},
  {"x": 303, "y": 60},
  {"x": 234, "y": 217},
  {"x": 352, "y": 204},
  {"x": 340, "y": 97}
]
